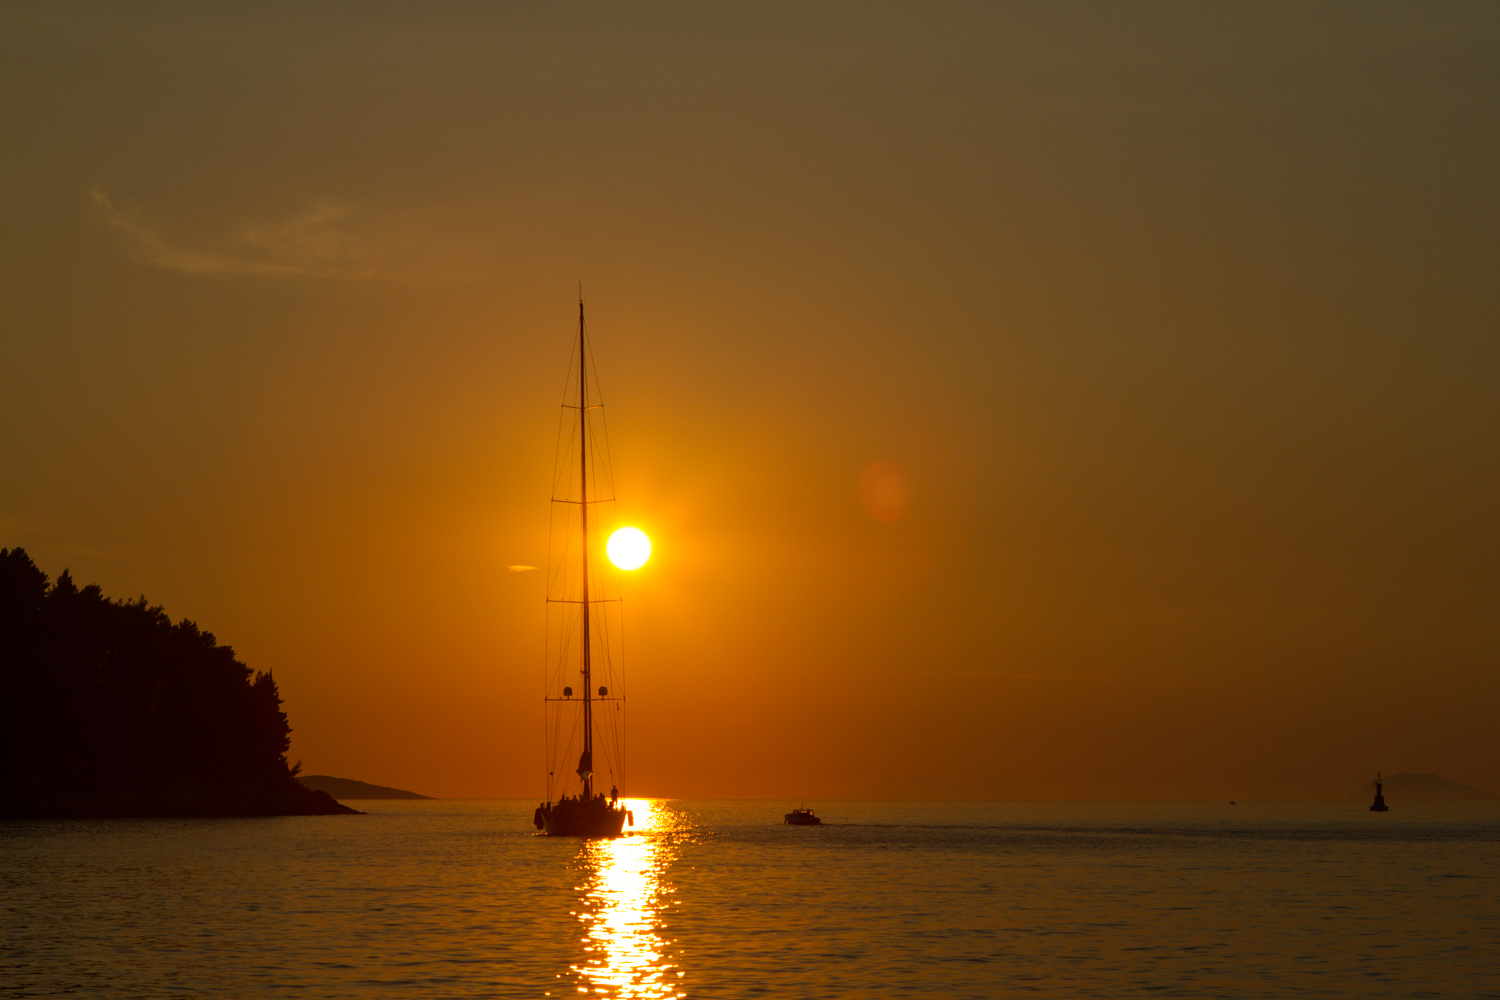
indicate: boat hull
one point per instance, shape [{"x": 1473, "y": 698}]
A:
[{"x": 590, "y": 822}]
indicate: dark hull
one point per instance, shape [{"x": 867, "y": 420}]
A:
[
  {"x": 792, "y": 820},
  {"x": 593, "y": 822}
]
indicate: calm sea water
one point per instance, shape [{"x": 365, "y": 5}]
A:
[{"x": 716, "y": 899}]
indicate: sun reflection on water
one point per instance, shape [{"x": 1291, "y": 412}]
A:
[{"x": 624, "y": 903}]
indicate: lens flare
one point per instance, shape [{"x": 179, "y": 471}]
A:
[
  {"x": 628, "y": 548},
  {"x": 884, "y": 491}
]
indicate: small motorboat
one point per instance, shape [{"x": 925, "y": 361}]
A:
[{"x": 802, "y": 817}]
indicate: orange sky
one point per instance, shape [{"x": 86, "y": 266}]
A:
[{"x": 1179, "y": 325}]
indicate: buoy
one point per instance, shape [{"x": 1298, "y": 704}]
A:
[
  {"x": 630, "y": 815},
  {"x": 536, "y": 818}
]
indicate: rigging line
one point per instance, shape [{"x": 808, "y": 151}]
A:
[
  {"x": 556, "y": 571},
  {"x": 557, "y": 451},
  {"x": 567, "y": 381},
  {"x": 614, "y": 728},
  {"x": 592, "y": 358},
  {"x": 563, "y": 575},
  {"x": 563, "y": 453},
  {"x": 557, "y": 581},
  {"x": 606, "y": 460},
  {"x": 557, "y": 466},
  {"x": 604, "y": 636},
  {"x": 616, "y": 719},
  {"x": 553, "y": 736},
  {"x": 615, "y": 754},
  {"x": 549, "y": 740},
  {"x": 608, "y": 456},
  {"x": 552, "y": 567},
  {"x": 552, "y": 752},
  {"x": 594, "y": 464},
  {"x": 580, "y": 434},
  {"x": 558, "y": 714},
  {"x": 546, "y": 748},
  {"x": 562, "y": 649},
  {"x": 568, "y": 378},
  {"x": 616, "y": 743},
  {"x": 593, "y": 364},
  {"x": 561, "y": 486},
  {"x": 563, "y": 643},
  {"x": 621, "y": 708},
  {"x": 562, "y": 677},
  {"x": 593, "y": 454},
  {"x": 567, "y": 756}
]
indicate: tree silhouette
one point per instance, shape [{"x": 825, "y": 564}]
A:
[{"x": 107, "y": 708}]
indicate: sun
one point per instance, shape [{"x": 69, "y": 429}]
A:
[{"x": 628, "y": 548}]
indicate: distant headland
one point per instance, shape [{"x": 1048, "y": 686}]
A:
[
  {"x": 108, "y": 709},
  {"x": 1409, "y": 786},
  {"x": 348, "y": 788}
]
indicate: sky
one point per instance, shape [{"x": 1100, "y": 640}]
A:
[{"x": 1023, "y": 400}]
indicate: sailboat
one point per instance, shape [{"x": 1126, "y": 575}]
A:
[
  {"x": 584, "y": 631},
  {"x": 1379, "y": 805}
]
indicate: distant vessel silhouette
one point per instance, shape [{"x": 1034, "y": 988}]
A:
[
  {"x": 801, "y": 817},
  {"x": 1379, "y": 805},
  {"x": 1409, "y": 786},
  {"x": 586, "y": 812}
]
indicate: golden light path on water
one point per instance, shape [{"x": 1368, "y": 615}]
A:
[{"x": 623, "y": 898}]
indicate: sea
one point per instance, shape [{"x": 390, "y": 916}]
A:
[{"x": 709, "y": 899}]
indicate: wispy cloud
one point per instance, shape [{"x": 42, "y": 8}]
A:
[
  {"x": 442, "y": 242},
  {"x": 322, "y": 241},
  {"x": 520, "y": 569}
]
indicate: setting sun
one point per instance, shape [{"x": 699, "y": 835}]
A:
[{"x": 628, "y": 548}]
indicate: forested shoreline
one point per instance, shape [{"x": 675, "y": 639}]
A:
[{"x": 109, "y": 709}]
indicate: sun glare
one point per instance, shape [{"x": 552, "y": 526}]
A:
[
  {"x": 625, "y": 899},
  {"x": 628, "y": 548}
]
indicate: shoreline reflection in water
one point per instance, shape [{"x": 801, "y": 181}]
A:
[{"x": 623, "y": 906}]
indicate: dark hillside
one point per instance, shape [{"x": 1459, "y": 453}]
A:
[
  {"x": 107, "y": 708},
  {"x": 1413, "y": 787},
  {"x": 348, "y": 788}
]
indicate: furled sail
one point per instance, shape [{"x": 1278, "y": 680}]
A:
[{"x": 585, "y": 765}]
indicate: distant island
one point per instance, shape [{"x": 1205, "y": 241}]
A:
[
  {"x": 108, "y": 709},
  {"x": 348, "y": 788},
  {"x": 1409, "y": 786}
]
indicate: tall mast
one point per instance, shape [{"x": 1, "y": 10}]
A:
[{"x": 583, "y": 471}]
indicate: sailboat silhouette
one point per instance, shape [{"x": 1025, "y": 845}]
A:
[
  {"x": 1379, "y": 805},
  {"x": 588, "y": 812}
]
